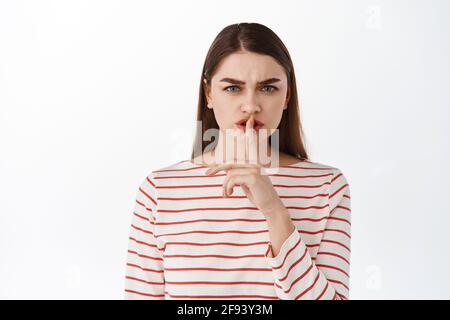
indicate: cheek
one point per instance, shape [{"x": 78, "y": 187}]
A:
[
  {"x": 273, "y": 113},
  {"x": 224, "y": 109},
  {"x": 223, "y": 114}
]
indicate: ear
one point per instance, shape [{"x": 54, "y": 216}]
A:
[
  {"x": 207, "y": 90},
  {"x": 288, "y": 97}
]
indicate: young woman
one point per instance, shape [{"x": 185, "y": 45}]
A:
[{"x": 211, "y": 227}]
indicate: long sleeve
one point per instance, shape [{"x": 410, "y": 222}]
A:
[
  {"x": 144, "y": 263},
  {"x": 297, "y": 276}
]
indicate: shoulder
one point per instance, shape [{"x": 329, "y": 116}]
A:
[
  {"x": 337, "y": 182},
  {"x": 317, "y": 167},
  {"x": 338, "y": 185},
  {"x": 148, "y": 188},
  {"x": 321, "y": 166},
  {"x": 183, "y": 167}
]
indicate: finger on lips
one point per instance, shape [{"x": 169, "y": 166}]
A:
[{"x": 234, "y": 169}]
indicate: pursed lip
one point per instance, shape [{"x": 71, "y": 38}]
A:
[
  {"x": 241, "y": 124},
  {"x": 243, "y": 121}
]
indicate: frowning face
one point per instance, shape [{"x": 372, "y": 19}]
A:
[{"x": 246, "y": 83}]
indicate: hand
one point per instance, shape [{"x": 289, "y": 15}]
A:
[{"x": 257, "y": 187}]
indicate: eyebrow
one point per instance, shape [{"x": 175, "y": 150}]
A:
[{"x": 235, "y": 81}]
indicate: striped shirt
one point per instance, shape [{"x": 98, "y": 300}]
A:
[{"x": 188, "y": 242}]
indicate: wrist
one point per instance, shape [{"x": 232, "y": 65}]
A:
[{"x": 277, "y": 212}]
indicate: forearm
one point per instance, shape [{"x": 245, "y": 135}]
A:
[{"x": 280, "y": 228}]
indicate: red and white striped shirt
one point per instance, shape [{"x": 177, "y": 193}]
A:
[{"x": 188, "y": 242}]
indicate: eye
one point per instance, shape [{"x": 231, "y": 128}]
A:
[
  {"x": 226, "y": 89},
  {"x": 272, "y": 88}
]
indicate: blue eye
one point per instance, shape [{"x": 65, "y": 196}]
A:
[
  {"x": 230, "y": 87},
  {"x": 271, "y": 87}
]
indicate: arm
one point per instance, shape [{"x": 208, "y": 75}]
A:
[
  {"x": 144, "y": 263},
  {"x": 296, "y": 275}
]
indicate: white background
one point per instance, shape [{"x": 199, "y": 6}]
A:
[{"x": 96, "y": 94}]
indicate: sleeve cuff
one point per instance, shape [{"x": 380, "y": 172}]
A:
[{"x": 288, "y": 244}]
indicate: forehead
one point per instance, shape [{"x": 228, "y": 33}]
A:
[{"x": 249, "y": 67}]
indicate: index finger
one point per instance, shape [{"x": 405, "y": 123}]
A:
[{"x": 251, "y": 141}]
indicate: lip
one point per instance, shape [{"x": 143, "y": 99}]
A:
[{"x": 242, "y": 122}]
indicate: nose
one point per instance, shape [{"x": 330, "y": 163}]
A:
[{"x": 250, "y": 107}]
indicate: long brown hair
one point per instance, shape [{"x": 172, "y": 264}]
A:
[{"x": 257, "y": 38}]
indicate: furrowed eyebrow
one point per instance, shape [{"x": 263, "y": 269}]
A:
[{"x": 235, "y": 81}]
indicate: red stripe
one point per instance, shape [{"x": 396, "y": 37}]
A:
[
  {"x": 144, "y": 269},
  {"x": 334, "y": 254},
  {"x": 143, "y": 230},
  {"x": 342, "y": 296},
  {"x": 340, "y": 207},
  {"x": 211, "y": 232},
  {"x": 142, "y": 217},
  {"x": 215, "y": 243},
  {"x": 145, "y": 294},
  {"x": 294, "y": 176},
  {"x": 203, "y": 209},
  {"x": 305, "y": 168},
  {"x": 210, "y": 220},
  {"x": 220, "y": 269},
  {"x": 334, "y": 193},
  {"x": 140, "y": 203},
  {"x": 325, "y": 289},
  {"x": 287, "y": 254},
  {"x": 336, "y": 242},
  {"x": 224, "y": 174},
  {"x": 221, "y": 185},
  {"x": 228, "y": 244},
  {"x": 144, "y": 281},
  {"x": 310, "y": 207},
  {"x": 234, "y": 208},
  {"x": 144, "y": 243},
  {"x": 237, "y": 197},
  {"x": 147, "y": 195},
  {"x": 338, "y": 230},
  {"x": 151, "y": 182},
  {"x": 241, "y": 232},
  {"x": 213, "y": 256},
  {"x": 293, "y": 266},
  {"x": 180, "y": 170},
  {"x": 331, "y": 267},
  {"x": 222, "y": 296},
  {"x": 336, "y": 177},
  {"x": 340, "y": 219},
  {"x": 310, "y": 219},
  {"x": 309, "y": 288},
  {"x": 339, "y": 282},
  {"x": 145, "y": 256},
  {"x": 298, "y": 279},
  {"x": 220, "y": 283}
]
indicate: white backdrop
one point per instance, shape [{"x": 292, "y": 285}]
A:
[{"x": 96, "y": 94}]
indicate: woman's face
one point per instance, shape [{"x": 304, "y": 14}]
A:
[{"x": 248, "y": 83}]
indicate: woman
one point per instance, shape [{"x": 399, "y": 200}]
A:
[{"x": 212, "y": 227}]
